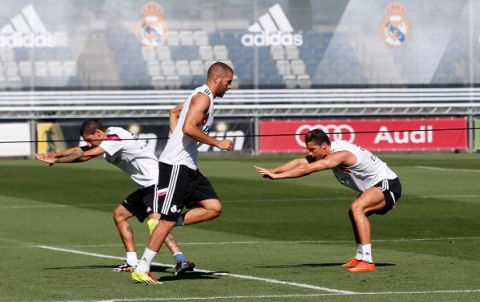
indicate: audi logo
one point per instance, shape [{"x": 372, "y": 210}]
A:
[{"x": 335, "y": 132}]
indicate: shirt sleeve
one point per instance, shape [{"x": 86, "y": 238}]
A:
[{"x": 111, "y": 146}]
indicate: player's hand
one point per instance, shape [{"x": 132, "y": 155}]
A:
[
  {"x": 266, "y": 173},
  {"x": 225, "y": 144},
  {"x": 43, "y": 157}
]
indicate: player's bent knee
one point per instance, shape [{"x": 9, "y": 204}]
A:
[
  {"x": 121, "y": 214},
  {"x": 213, "y": 206},
  {"x": 356, "y": 208},
  {"x": 215, "y": 213}
]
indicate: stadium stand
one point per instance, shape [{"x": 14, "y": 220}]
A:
[{"x": 43, "y": 67}]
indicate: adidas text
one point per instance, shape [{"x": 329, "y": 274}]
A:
[
  {"x": 14, "y": 40},
  {"x": 272, "y": 39}
]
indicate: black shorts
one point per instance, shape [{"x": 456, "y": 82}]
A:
[
  {"x": 142, "y": 202},
  {"x": 392, "y": 190},
  {"x": 179, "y": 187}
]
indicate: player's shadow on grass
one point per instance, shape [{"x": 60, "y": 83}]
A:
[
  {"x": 314, "y": 265},
  {"x": 188, "y": 275}
]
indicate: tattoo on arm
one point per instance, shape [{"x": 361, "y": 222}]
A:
[{"x": 69, "y": 158}]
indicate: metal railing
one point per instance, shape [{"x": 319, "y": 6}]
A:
[{"x": 251, "y": 103}]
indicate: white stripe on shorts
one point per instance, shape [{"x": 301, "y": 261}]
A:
[
  {"x": 385, "y": 185},
  {"x": 171, "y": 189},
  {"x": 155, "y": 200},
  {"x": 393, "y": 198}
]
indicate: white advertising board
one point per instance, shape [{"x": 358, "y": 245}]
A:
[{"x": 14, "y": 132}]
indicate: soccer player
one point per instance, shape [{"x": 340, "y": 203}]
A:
[
  {"x": 121, "y": 148},
  {"x": 357, "y": 169},
  {"x": 180, "y": 182}
]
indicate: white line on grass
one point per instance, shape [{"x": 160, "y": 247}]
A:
[
  {"x": 446, "y": 169},
  {"x": 267, "y": 280},
  {"x": 429, "y": 292}
]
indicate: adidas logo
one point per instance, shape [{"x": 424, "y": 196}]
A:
[
  {"x": 27, "y": 30},
  {"x": 273, "y": 29}
]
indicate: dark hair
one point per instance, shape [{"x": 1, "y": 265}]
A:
[
  {"x": 90, "y": 126},
  {"x": 218, "y": 67},
  {"x": 318, "y": 136}
]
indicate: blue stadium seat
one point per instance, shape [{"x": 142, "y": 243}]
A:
[
  {"x": 306, "y": 52},
  {"x": 268, "y": 68},
  {"x": 231, "y": 39},
  {"x": 215, "y": 38},
  {"x": 22, "y": 54},
  {"x": 313, "y": 38},
  {"x": 275, "y": 81},
  {"x": 64, "y": 54},
  {"x": 74, "y": 82},
  {"x": 264, "y": 54},
  {"x": 244, "y": 71},
  {"x": 248, "y": 54},
  {"x": 325, "y": 38},
  {"x": 191, "y": 53},
  {"x": 235, "y": 53},
  {"x": 177, "y": 52},
  {"x": 186, "y": 82},
  {"x": 198, "y": 80},
  {"x": 311, "y": 66}
]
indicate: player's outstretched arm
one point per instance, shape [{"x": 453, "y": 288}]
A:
[
  {"x": 196, "y": 112},
  {"x": 290, "y": 165},
  {"x": 294, "y": 172},
  {"x": 73, "y": 155},
  {"x": 269, "y": 172},
  {"x": 65, "y": 152},
  {"x": 302, "y": 169},
  {"x": 51, "y": 156}
]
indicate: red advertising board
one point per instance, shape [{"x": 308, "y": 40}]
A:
[{"x": 373, "y": 134}]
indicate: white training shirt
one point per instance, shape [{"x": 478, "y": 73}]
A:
[
  {"x": 132, "y": 156},
  {"x": 365, "y": 173},
  {"x": 182, "y": 149}
]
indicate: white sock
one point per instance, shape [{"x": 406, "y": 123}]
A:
[
  {"x": 132, "y": 258},
  {"x": 147, "y": 258},
  {"x": 367, "y": 253},
  {"x": 359, "y": 252}
]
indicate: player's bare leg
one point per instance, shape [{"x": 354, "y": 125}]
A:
[
  {"x": 182, "y": 264},
  {"x": 157, "y": 238},
  {"x": 208, "y": 209},
  {"x": 354, "y": 227},
  {"x": 121, "y": 216},
  {"x": 354, "y": 261},
  {"x": 369, "y": 201}
]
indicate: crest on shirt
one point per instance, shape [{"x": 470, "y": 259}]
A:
[
  {"x": 395, "y": 29},
  {"x": 151, "y": 29}
]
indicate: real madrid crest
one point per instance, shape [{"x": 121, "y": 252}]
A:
[
  {"x": 151, "y": 30},
  {"x": 395, "y": 28}
]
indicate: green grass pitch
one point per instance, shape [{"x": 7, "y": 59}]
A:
[{"x": 275, "y": 241}]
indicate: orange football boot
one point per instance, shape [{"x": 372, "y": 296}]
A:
[
  {"x": 353, "y": 262},
  {"x": 362, "y": 267}
]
